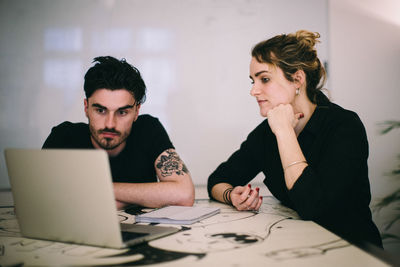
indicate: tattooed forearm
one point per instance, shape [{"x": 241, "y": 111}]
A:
[{"x": 170, "y": 163}]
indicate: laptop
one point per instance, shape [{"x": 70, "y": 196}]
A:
[{"x": 66, "y": 195}]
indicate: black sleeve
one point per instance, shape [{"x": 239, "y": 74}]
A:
[
  {"x": 244, "y": 164},
  {"x": 157, "y": 137},
  {"x": 339, "y": 178},
  {"x": 57, "y": 137},
  {"x": 161, "y": 141},
  {"x": 68, "y": 135}
]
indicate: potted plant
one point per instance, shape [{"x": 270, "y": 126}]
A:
[{"x": 393, "y": 199}]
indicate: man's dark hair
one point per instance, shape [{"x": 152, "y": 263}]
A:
[{"x": 113, "y": 74}]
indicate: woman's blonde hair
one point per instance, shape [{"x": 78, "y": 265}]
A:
[{"x": 293, "y": 52}]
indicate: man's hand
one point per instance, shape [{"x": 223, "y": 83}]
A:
[{"x": 121, "y": 205}]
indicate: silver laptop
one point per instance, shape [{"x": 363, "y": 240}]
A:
[{"x": 67, "y": 195}]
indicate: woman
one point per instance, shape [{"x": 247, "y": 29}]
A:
[{"x": 313, "y": 152}]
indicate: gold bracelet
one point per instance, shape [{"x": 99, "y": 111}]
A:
[{"x": 294, "y": 163}]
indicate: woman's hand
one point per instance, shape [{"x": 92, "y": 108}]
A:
[
  {"x": 282, "y": 118},
  {"x": 245, "y": 198}
]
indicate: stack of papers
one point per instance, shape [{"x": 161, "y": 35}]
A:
[{"x": 177, "y": 215}]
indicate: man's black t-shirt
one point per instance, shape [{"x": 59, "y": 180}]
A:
[{"x": 135, "y": 164}]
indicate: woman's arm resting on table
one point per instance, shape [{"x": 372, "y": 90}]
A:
[{"x": 241, "y": 197}]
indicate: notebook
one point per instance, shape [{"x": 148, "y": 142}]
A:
[
  {"x": 177, "y": 215},
  {"x": 66, "y": 195}
]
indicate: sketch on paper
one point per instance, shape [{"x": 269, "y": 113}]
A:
[{"x": 302, "y": 252}]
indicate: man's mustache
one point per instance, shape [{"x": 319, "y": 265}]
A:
[{"x": 106, "y": 130}]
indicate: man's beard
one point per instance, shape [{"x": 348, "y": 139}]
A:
[{"x": 108, "y": 143}]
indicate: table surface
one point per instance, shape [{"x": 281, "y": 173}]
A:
[{"x": 274, "y": 236}]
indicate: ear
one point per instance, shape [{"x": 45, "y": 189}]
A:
[
  {"x": 86, "y": 104},
  {"x": 299, "y": 78},
  {"x": 137, "y": 111}
]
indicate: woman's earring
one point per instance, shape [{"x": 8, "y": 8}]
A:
[{"x": 297, "y": 91}]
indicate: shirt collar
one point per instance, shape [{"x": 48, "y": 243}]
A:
[{"x": 319, "y": 115}]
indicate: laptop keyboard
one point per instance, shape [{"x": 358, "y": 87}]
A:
[{"x": 126, "y": 236}]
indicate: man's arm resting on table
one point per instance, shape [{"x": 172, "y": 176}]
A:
[{"x": 175, "y": 186}]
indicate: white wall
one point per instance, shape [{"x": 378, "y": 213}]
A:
[
  {"x": 194, "y": 56},
  {"x": 365, "y": 77}
]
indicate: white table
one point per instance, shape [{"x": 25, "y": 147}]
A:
[{"x": 272, "y": 237}]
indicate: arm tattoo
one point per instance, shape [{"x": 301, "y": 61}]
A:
[{"x": 171, "y": 163}]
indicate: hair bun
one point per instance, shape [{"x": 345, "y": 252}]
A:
[
  {"x": 307, "y": 38},
  {"x": 292, "y": 52}
]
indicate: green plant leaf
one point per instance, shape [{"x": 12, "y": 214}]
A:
[
  {"x": 393, "y": 221},
  {"x": 393, "y": 198},
  {"x": 390, "y": 236},
  {"x": 388, "y": 126},
  {"x": 395, "y": 172},
  {"x": 386, "y": 201}
]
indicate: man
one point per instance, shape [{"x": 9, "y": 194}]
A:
[{"x": 139, "y": 149}]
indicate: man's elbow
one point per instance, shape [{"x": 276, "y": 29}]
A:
[
  {"x": 189, "y": 201},
  {"x": 187, "y": 198}
]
